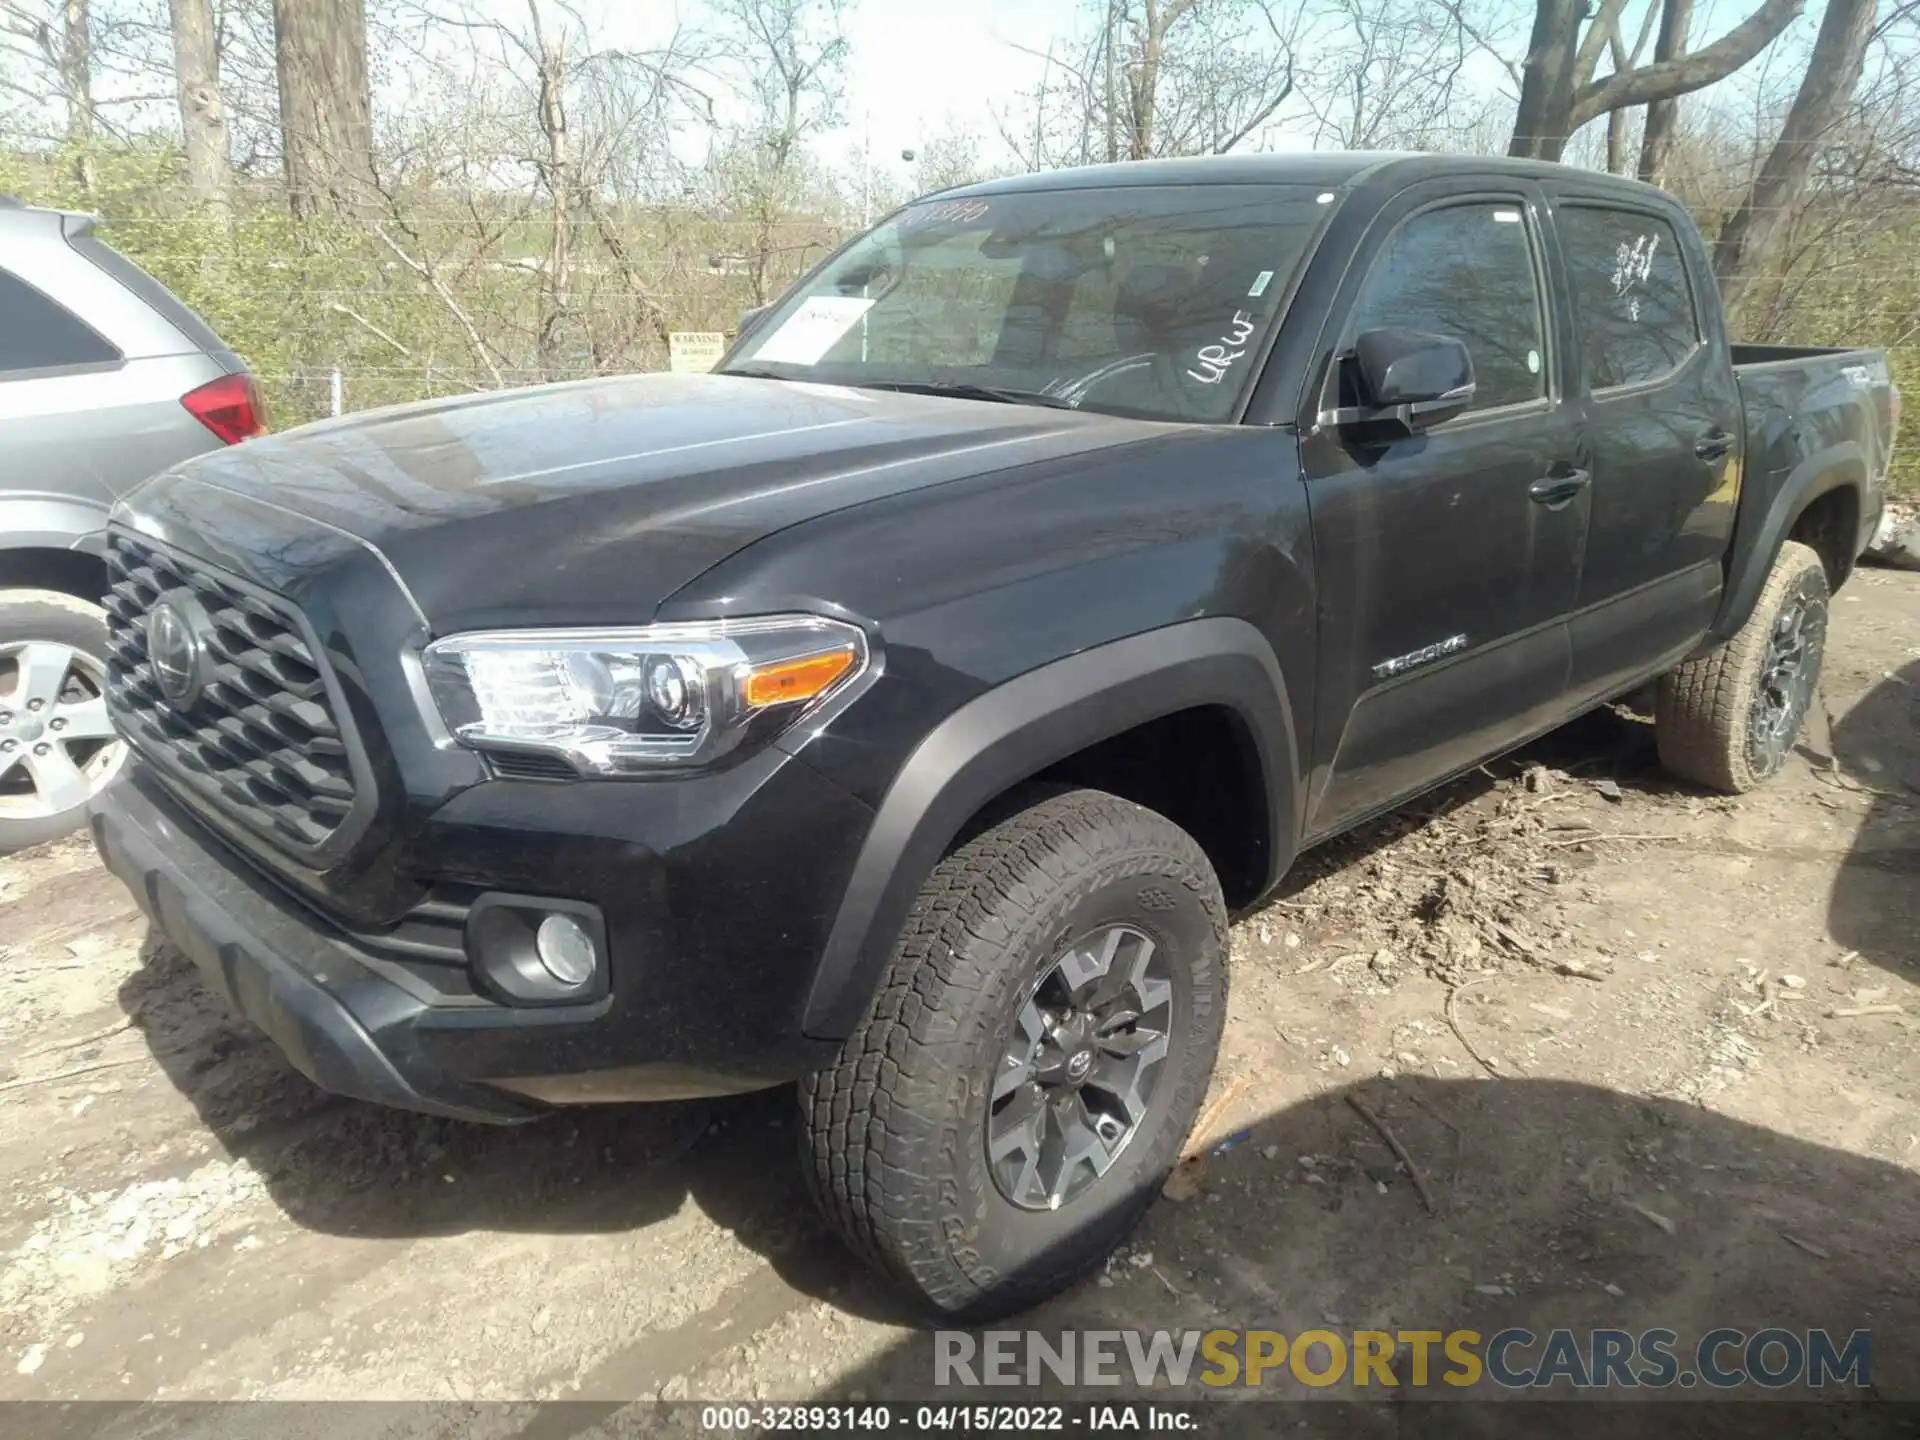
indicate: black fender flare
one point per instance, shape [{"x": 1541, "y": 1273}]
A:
[
  {"x": 1018, "y": 729},
  {"x": 1757, "y": 541}
]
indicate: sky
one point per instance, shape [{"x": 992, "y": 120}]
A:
[{"x": 917, "y": 68}]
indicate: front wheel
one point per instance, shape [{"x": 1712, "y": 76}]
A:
[
  {"x": 1034, "y": 1060},
  {"x": 1728, "y": 719},
  {"x": 57, "y": 747}
]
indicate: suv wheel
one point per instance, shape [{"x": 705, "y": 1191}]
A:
[
  {"x": 1728, "y": 719},
  {"x": 1034, "y": 1060},
  {"x": 57, "y": 747}
]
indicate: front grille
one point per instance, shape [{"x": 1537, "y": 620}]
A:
[{"x": 260, "y": 743}]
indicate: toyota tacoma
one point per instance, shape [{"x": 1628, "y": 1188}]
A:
[{"x": 904, "y": 709}]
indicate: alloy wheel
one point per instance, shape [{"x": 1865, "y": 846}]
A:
[
  {"x": 57, "y": 746},
  {"x": 1080, "y": 1070},
  {"x": 1783, "y": 692}
]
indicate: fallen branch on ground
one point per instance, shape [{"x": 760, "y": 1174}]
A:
[
  {"x": 111, "y": 1030},
  {"x": 1453, "y": 1022},
  {"x": 1399, "y": 1151},
  {"x": 69, "y": 1074}
]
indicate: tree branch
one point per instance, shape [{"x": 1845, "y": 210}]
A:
[{"x": 1682, "y": 76}]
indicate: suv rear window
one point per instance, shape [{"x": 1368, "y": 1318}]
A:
[
  {"x": 36, "y": 334},
  {"x": 156, "y": 296}
]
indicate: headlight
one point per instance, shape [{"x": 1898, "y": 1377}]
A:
[{"x": 624, "y": 702}]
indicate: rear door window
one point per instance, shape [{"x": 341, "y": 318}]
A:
[
  {"x": 36, "y": 334},
  {"x": 1631, "y": 298}
]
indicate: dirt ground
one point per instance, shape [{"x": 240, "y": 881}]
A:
[{"x": 1653, "y": 1052}]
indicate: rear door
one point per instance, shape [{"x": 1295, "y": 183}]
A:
[
  {"x": 1663, "y": 416},
  {"x": 1447, "y": 562}
]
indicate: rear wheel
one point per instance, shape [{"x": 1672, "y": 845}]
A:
[
  {"x": 57, "y": 747},
  {"x": 1728, "y": 719},
  {"x": 1034, "y": 1060}
]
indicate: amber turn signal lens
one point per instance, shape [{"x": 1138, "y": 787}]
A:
[{"x": 797, "y": 679}]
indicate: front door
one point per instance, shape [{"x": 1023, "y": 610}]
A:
[{"x": 1447, "y": 562}]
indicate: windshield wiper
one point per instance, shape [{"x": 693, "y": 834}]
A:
[{"x": 964, "y": 390}]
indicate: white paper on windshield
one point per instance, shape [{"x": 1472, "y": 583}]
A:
[{"x": 811, "y": 330}]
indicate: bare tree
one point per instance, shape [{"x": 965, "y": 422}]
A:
[
  {"x": 1663, "y": 116},
  {"x": 326, "y": 111},
  {"x": 1157, "y": 77},
  {"x": 1388, "y": 77},
  {"x": 203, "y": 113},
  {"x": 790, "y": 58},
  {"x": 1826, "y": 93},
  {"x": 1559, "y": 91},
  {"x": 76, "y": 78}
]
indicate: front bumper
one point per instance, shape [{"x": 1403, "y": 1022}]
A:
[{"x": 705, "y": 1003}]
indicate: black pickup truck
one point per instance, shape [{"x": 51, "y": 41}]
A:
[{"x": 904, "y": 709}]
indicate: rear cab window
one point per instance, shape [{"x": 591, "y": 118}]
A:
[
  {"x": 38, "y": 335},
  {"x": 1633, "y": 304}
]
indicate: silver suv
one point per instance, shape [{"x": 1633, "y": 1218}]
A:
[{"x": 105, "y": 379}]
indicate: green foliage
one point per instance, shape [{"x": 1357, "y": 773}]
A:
[
  {"x": 439, "y": 295},
  {"x": 300, "y": 299}
]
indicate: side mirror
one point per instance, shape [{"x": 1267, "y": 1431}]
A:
[
  {"x": 1408, "y": 379},
  {"x": 750, "y": 320}
]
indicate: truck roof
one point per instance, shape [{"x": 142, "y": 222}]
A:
[{"x": 1336, "y": 169}]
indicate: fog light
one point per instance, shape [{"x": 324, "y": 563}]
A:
[
  {"x": 532, "y": 950},
  {"x": 565, "y": 949}
]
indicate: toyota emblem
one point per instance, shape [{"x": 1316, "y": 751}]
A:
[{"x": 174, "y": 651}]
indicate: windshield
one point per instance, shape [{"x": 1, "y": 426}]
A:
[{"x": 1150, "y": 301}]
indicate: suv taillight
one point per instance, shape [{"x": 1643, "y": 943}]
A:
[{"x": 230, "y": 407}]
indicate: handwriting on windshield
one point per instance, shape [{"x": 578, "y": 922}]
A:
[
  {"x": 1215, "y": 360},
  {"x": 946, "y": 212}
]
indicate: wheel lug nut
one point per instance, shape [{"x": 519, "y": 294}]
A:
[
  {"x": 41, "y": 749},
  {"x": 9, "y": 744},
  {"x": 56, "y": 724},
  {"x": 35, "y": 704}
]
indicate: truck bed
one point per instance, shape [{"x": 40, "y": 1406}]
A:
[{"x": 1806, "y": 404}]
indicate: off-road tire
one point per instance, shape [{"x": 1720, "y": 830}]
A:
[
  {"x": 1703, "y": 716},
  {"x": 51, "y": 615},
  {"x": 894, "y": 1133}
]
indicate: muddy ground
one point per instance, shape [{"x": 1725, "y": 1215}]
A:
[{"x": 1653, "y": 1052}]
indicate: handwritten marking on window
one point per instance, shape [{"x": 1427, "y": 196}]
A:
[
  {"x": 1215, "y": 360},
  {"x": 1632, "y": 264},
  {"x": 957, "y": 212}
]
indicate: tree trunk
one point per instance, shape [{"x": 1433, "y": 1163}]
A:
[
  {"x": 203, "y": 114},
  {"x": 558, "y": 274},
  {"x": 1663, "y": 116},
  {"x": 1556, "y": 100},
  {"x": 1825, "y": 96},
  {"x": 326, "y": 114},
  {"x": 1544, "y": 119},
  {"x": 76, "y": 79}
]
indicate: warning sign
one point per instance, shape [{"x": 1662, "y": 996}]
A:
[{"x": 694, "y": 351}]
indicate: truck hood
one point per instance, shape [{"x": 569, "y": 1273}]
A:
[{"x": 584, "y": 503}]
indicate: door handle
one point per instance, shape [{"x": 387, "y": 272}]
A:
[
  {"x": 1553, "y": 491},
  {"x": 1714, "y": 446}
]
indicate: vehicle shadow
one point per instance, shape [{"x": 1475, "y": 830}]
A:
[
  {"x": 345, "y": 1168},
  {"x": 1875, "y": 905},
  {"x": 1557, "y": 1205}
]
